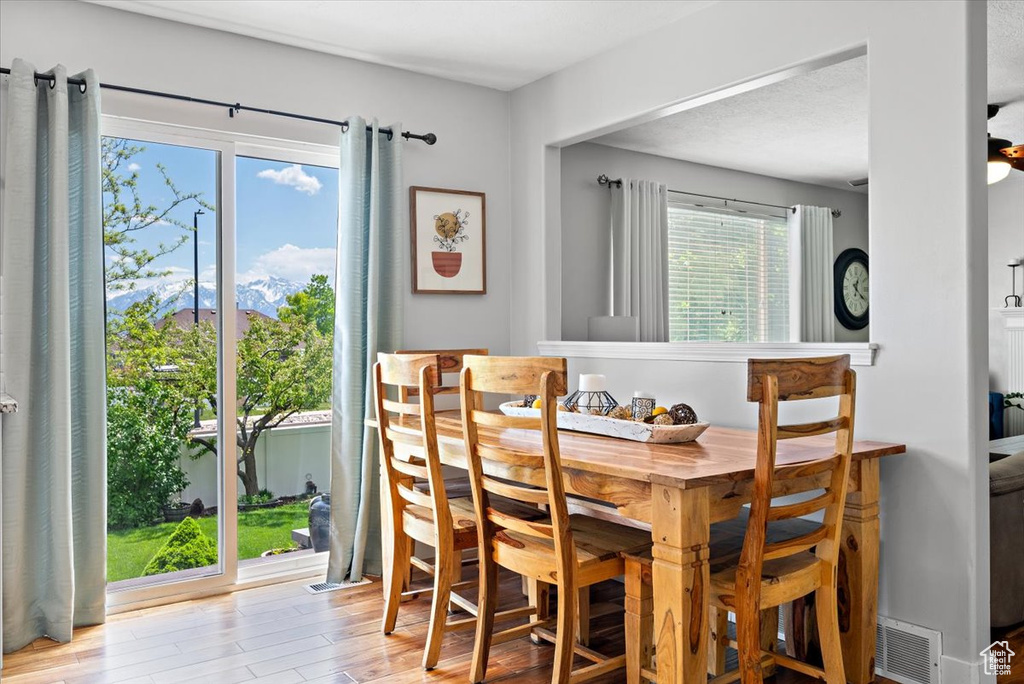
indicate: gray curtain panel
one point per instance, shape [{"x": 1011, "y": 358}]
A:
[
  {"x": 371, "y": 231},
  {"x": 54, "y": 448},
  {"x": 811, "y": 231},
  {"x": 639, "y": 226}
]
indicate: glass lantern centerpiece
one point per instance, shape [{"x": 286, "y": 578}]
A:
[{"x": 591, "y": 397}]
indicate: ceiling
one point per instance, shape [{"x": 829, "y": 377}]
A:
[
  {"x": 501, "y": 44},
  {"x": 811, "y": 128},
  {"x": 1006, "y": 68},
  {"x": 814, "y": 127}
]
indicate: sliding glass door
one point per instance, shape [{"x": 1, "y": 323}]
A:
[
  {"x": 219, "y": 339},
  {"x": 287, "y": 218}
]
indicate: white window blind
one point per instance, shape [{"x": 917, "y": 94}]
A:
[{"x": 728, "y": 276}]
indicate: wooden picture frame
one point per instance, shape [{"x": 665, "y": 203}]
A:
[{"x": 449, "y": 248}]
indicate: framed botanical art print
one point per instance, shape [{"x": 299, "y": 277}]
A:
[{"x": 449, "y": 251}]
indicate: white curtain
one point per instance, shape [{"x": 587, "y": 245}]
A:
[
  {"x": 639, "y": 227},
  {"x": 368, "y": 301},
  {"x": 54, "y": 447},
  {"x": 812, "y": 315}
]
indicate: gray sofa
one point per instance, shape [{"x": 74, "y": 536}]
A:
[{"x": 1006, "y": 529}]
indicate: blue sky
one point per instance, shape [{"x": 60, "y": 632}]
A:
[{"x": 286, "y": 214}]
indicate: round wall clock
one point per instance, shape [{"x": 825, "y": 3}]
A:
[{"x": 851, "y": 288}]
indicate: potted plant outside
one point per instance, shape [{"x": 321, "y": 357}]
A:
[{"x": 175, "y": 510}]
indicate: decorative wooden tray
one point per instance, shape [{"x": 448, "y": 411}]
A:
[{"x": 613, "y": 427}]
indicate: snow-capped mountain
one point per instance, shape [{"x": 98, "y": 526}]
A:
[{"x": 264, "y": 295}]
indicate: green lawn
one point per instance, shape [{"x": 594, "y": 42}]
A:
[{"x": 128, "y": 551}]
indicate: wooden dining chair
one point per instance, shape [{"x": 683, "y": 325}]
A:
[
  {"x": 566, "y": 551},
  {"x": 450, "y": 363},
  {"x": 408, "y": 444},
  {"x": 772, "y": 574},
  {"x": 782, "y": 557},
  {"x": 726, "y": 545}
]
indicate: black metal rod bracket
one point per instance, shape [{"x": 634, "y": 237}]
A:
[{"x": 233, "y": 109}]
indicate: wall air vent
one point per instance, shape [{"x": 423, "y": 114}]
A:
[{"x": 907, "y": 653}]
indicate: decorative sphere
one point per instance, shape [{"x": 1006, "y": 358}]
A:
[
  {"x": 621, "y": 413},
  {"x": 682, "y": 414}
]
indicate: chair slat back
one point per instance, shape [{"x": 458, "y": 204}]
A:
[
  {"x": 546, "y": 378},
  {"x": 812, "y": 378},
  {"x": 769, "y": 382},
  {"x": 408, "y": 434},
  {"x": 450, "y": 361}
]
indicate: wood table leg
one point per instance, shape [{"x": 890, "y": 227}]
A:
[
  {"x": 681, "y": 582},
  {"x": 858, "y": 573}
]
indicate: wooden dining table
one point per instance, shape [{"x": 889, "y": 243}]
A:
[{"x": 680, "y": 490}]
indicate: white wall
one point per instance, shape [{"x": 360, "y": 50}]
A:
[
  {"x": 927, "y": 388},
  {"x": 1006, "y": 241},
  {"x": 586, "y": 206},
  {"x": 471, "y": 122},
  {"x": 284, "y": 456},
  {"x": 144, "y": 52}
]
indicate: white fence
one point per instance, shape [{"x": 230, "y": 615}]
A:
[{"x": 284, "y": 456}]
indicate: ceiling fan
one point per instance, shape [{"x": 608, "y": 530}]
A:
[{"x": 1003, "y": 155}]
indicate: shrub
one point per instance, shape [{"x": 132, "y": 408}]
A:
[
  {"x": 264, "y": 496},
  {"x": 186, "y": 548},
  {"x": 146, "y": 429}
]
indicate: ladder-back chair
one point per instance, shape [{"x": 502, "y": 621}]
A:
[
  {"x": 447, "y": 386},
  {"x": 770, "y": 574},
  {"x": 567, "y": 551},
  {"x": 408, "y": 444}
]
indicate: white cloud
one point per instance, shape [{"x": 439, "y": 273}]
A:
[
  {"x": 295, "y": 177},
  {"x": 133, "y": 167},
  {"x": 291, "y": 263}
]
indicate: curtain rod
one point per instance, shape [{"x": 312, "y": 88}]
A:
[
  {"x": 605, "y": 180},
  {"x": 233, "y": 109}
]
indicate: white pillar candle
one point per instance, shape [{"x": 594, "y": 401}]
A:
[
  {"x": 591, "y": 382},
  {"x": 639, "y": 394}
]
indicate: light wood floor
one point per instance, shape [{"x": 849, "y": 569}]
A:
[
  {"x": 1015, "y": 636},
  {"x": 282, "y": 634}
]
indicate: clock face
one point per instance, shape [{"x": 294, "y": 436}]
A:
[{"x": 855, "y": 289}]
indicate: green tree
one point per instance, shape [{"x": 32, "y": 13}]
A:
[
  {"x": 125, "y": 215},
  {"x": 283, "y": 367},
  {"x": 146, "y": 422},
  {"x": 145, "y": 431},
  {"x": 313, "y": 304},
  {"x": 139, "y": 348}
]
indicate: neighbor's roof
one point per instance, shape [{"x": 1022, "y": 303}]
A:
[{"x": 185, "y": 318}]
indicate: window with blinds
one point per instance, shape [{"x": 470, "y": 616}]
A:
[{"x": 728, "y": 275}]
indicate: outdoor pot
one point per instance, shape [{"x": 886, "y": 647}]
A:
[
  {"x": 320, "y": 522},
  {"x": 175, "y": 513}
]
